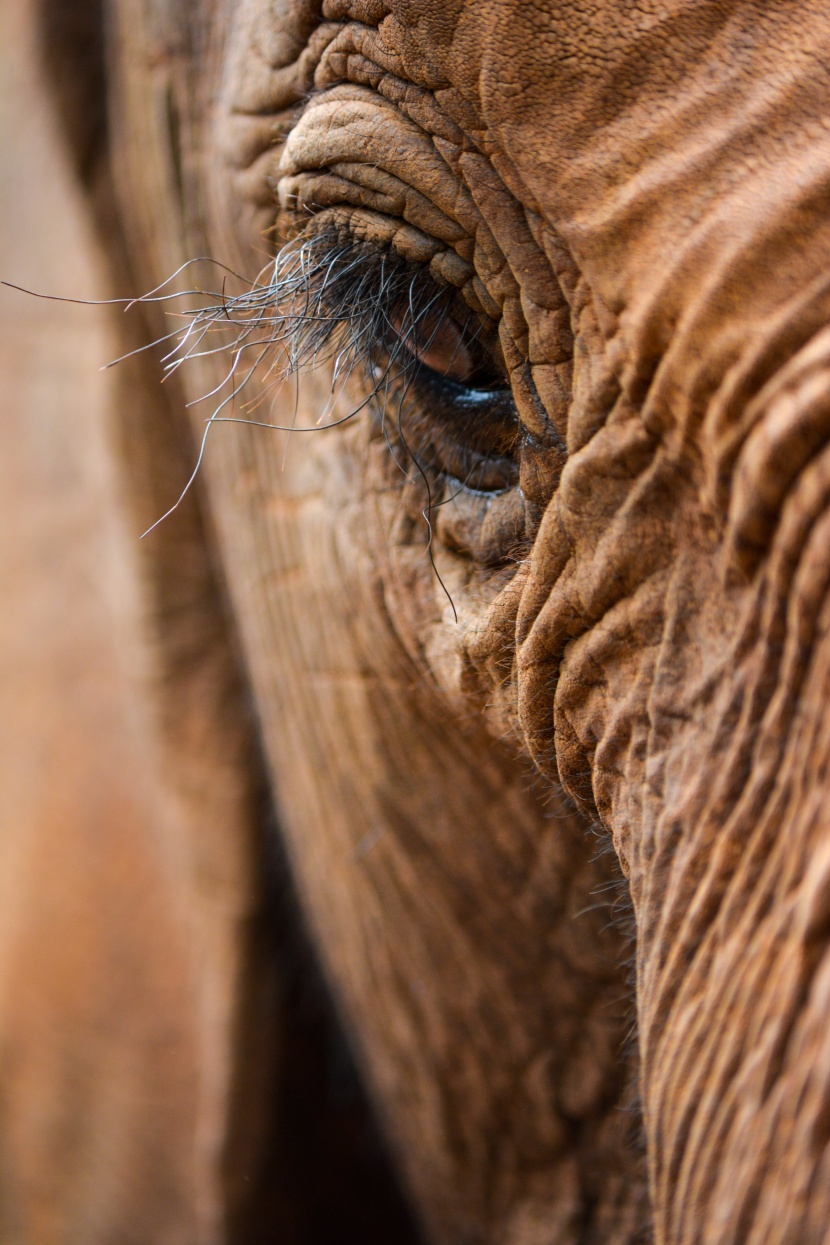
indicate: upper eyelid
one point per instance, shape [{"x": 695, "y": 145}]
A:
[
  {"x": 334, "y": 296},
  {"x": 358, "y": 286}
]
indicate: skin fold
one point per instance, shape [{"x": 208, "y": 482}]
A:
[{"x": 588, "y": 702}]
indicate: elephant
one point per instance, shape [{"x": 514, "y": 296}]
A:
[{"x": 502, "y": 604}]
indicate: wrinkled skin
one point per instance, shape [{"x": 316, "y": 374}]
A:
[{"x": 636, "y": 199}]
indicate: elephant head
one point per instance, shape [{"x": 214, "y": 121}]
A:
[{"x": 553, "y": 575}]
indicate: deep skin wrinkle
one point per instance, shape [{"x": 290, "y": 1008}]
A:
[{"x": 632, "y": 202}]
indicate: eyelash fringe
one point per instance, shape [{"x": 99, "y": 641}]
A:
[{"x": 324, "y": 299}]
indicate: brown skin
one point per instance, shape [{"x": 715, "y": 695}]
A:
[{"x": 636, "y": 198}]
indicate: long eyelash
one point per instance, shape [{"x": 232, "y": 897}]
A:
[
  {"x": 333, "y": 302},
  {"x": 325, "y": 299}
]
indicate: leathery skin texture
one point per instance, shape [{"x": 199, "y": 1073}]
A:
[{"x": 634, "y": 198}]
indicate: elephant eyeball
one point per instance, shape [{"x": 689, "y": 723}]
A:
[{"x": 438, "y": 345}]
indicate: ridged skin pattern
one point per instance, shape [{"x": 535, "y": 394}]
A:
[{"x": 626, "y": 648}]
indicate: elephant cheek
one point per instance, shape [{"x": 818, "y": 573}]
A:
[
  {"x": 707, "y": 754},
  {"x": 595, "y": 597}
]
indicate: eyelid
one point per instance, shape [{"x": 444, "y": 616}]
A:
[
  {"x": 350, "y": 293},
  {"x": 350, "y": 301}
]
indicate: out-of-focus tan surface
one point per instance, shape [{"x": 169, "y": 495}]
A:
[
  {"x": 61, "y": 575},
  {"x": 96, "y": 1012}
]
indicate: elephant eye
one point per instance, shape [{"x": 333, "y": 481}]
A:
[
  {"x": 431, "y": 366},
  {"x": 450, "y": 404},
  {"x": 438, "y": 345}
]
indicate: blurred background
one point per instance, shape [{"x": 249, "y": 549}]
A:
[
  {"x": 65, "y": 557},
  {"x": 117, "y": 1029},
  {"x": 59, "y": 572},
  {"x": 71, "y": 738}
]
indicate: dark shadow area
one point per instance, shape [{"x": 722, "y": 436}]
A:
[{"x": 326, "y": 1176}]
